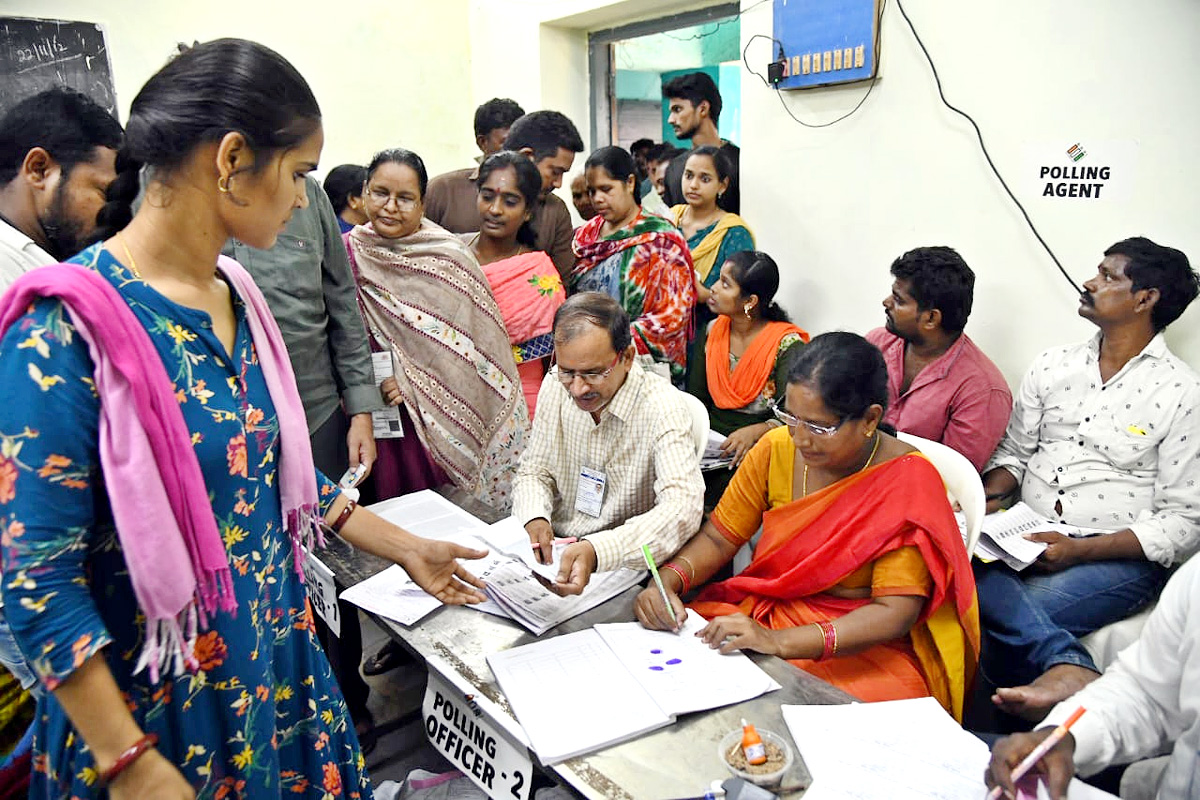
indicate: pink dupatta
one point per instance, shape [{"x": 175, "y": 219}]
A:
[{"x": 177, "y": 561}]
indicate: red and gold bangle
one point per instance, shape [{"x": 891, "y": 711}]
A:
[
  {"x": 343, "y": 517},
  {"x": 690, "y": 566},
  {"x": 128, "y": 757},
  {"x": 685, "y": 584},
  {"x": 829, "y": 640}
]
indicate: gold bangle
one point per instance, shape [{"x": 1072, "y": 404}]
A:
[{"x": 691, "y": 567}]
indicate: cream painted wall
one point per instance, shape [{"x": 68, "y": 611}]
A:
[
  {"x": 837, "y": 205},
  {"x": 834, "y": 205},
  {"x": 415, "y": 80}
]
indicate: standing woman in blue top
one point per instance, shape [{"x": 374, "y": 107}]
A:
[{"x": 244, "y": 704}]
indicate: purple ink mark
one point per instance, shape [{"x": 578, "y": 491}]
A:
[
  {"x": 657, "y": 669},
  {"x": 675, "y": 661},
  {"x": 656, "y": 652}
]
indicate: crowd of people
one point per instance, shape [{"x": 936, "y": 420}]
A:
[{"x": 195, "y": 335}]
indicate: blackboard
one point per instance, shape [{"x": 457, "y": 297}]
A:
[{"x": 36, "y": 54}]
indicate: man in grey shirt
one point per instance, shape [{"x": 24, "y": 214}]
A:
[
  {"x": 307, "y": 281},
  {"x": 310, "y": 288}
]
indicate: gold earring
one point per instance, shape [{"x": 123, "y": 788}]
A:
[
  {"x": 746, "y": 310},
  {"x": 223, "y": 184},
  {"x": 868, "y": 434}
]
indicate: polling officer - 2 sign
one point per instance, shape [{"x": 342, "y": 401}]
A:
[{"x": 457, "y": 728}]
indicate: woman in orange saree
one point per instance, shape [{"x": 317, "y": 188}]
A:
[{"x": 860, "y": 577}]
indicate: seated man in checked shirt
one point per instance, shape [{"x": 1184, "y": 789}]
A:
[
  {"x": 611, "y": 458},
  {"x": 1104, "y": 434}
]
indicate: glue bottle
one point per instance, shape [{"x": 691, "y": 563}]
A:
[{"x": 752, "y": 745}]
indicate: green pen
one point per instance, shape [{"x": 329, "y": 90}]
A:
[{"x": 662, "y": 589}]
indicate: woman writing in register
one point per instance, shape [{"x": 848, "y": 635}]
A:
[{"x": 861, "y": 577}]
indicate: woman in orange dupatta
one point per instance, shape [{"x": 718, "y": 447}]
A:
[
  {"x": 746, "y": 352},
  {"x": 524, "y": 280},
  {"x": 861, "y": 576}
]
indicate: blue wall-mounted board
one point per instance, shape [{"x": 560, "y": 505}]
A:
[{"x": 826, "y": 41}]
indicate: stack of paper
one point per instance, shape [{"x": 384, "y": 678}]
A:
[
  {"x": 635, "y": 680},
  {"x": 508, "y": 570},
  {"x": 902, "y": 750},
  {"x": 713, "y": 458},
  {"x": 1003, "y": 536}
]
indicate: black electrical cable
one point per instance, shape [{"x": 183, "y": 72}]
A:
[
  {"x": 706, "y": 34},
  {"x": 979, "y": 134},
  {"x": 697, "y": 36},
  {"x": 851, "y": 112}
]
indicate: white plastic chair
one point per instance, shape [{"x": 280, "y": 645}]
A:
[
  {"x": 699, "y": 421},
  {"x": 963, "y": 484}
]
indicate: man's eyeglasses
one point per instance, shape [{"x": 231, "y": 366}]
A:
[
  {"x": 567, "y": 376},
  {"x": 816, "y": 430}
]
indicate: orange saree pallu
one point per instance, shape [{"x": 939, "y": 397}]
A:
[{"x": 892, "y": 520}]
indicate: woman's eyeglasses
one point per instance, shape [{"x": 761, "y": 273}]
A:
[
  {"x": 816, "y": 430},
  {"x": 382, "y": 197}
]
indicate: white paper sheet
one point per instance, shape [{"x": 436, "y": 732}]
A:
[
  {"x": 902, "y": 750},
  {"x": 509, "y": 536},
  {"x": 392, "y": 594},
  {"x": 427, "y": 513},
  {"x": 680, "y": 671}
]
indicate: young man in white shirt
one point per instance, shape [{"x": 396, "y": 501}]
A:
[
  {"x": 1104, "y": 435},
  {"x": 611, "y": 458},
  {"x": 58, "y": 152}
]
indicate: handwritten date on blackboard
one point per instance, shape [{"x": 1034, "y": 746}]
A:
[{"x": 36, "y": 54}]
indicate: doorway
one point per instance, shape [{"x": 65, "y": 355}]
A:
[{"x": 629, "y": 65}]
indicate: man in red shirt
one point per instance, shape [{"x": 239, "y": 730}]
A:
[{"x": 940, "y": 384}]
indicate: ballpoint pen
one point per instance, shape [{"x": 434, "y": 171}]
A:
[{"x": 658, "y": 580}]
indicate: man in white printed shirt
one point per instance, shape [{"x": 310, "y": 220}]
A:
[
  {"x": 611, "y": 458},
  {"x": 1146, "y": 703},
  {"x": 1103, "y": 435}
]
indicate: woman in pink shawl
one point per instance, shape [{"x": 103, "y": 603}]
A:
[{"x": 524, "y": 280}]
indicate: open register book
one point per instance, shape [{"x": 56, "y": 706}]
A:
[
  {"x": 1003, "y": 536},
  {"x": 628, "y": 681},
  {"x": 507, "y": 570}
]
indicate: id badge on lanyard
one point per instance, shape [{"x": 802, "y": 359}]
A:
[{"x": 589, "y": 495}]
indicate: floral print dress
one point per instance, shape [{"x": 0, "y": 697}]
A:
[
  {"x": 647, "y": 268},
  {"x": 263, "y": 716}
]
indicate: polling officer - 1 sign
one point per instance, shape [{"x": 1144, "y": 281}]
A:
[
  {"x": 322, "y": 593},
  {"x": 456, "y": 727}
]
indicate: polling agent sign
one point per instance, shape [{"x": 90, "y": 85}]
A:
[
  {"x": 1080, "y": 170},
  {"x": 322, "y": 593},
  {"x": 456, "y": 727}
]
